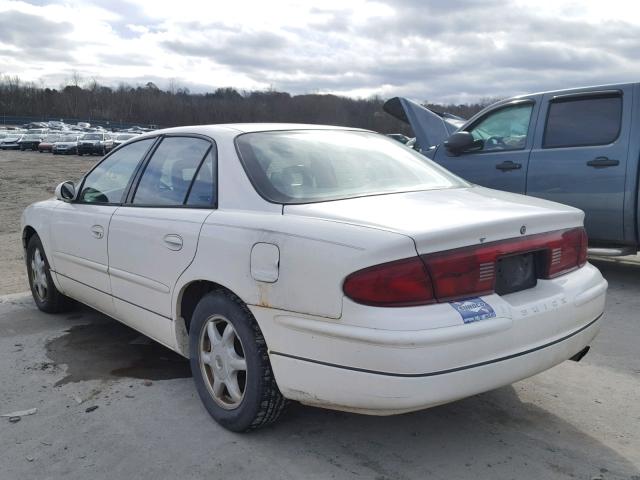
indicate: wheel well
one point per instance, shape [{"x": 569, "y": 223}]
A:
[
  {"x": 192, "y": 294},
  {"x": 187, "y": 302},
  {"x": 27, "y": 233}
]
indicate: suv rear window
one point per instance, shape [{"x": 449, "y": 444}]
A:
[{"x": 581, "y": 121}]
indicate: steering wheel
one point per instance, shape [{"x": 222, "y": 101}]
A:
[{"x": 494, "y": 141}]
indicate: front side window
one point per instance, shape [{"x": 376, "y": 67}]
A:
[
  {"x": 583, "y": 121},
  {"x": 504, "y": 129},
  {"x": 168, "y": 175},
  {"x": 304, "y": 166},
  {"x": 107, "y": 182}
]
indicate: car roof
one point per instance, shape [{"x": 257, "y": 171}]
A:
[{"x": 248, "y": 127}]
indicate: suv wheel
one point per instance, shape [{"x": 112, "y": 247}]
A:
[{"x": 230, "y": 364}]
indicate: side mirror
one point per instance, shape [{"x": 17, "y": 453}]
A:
[
  {"x": 460, "y": 142},
  {"x": 66, "y": 191}
]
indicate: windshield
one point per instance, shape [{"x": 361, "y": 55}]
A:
[
  {"x": 69, "y": 138},
  {"x": 304, "y": 166},
  {"x": 92, "y": 136},
  {"x": 51, "y": 138},
  {"x": 31, "y": 137}
]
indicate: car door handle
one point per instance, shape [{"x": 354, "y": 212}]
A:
[
  {"x": 173, "y": 241},
  {"x": 603, "y": 162},
  {"x": 97, "y": 231},
  {"x": 508, "y": 165}
]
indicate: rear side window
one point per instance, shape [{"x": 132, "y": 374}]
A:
[
  {"x": 203, "y": 191},
  {"x": 581, "y": 121},
  {"x": 168, "y": 175}
]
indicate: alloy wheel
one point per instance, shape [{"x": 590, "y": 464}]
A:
[
  {"x": 222, "y": 362},
  {"x": 39, "y": 275}
]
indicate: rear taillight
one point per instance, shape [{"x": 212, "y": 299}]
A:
[
  {"x": 464, "y": 272},
  {"x": 402, "y": 283},
  {"x": 566, "y": 253}
]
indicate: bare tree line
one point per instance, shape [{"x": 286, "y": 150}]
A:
[{"x": 149, "y": 105}]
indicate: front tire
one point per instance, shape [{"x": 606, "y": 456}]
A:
[
  {"x": 45, "y": 294},
  {"x": 230, "y": 364}
]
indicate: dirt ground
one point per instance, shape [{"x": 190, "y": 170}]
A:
[{"x": 26, "y": 177}]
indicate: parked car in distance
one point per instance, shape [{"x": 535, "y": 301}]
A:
[
  {"x": 95, "y": 143},
  {"x": 576, "y": 146},
  {"x": 66, "y": 144},
  {"x": 36, "y": 126},
  {"x": 56, "y": 125},
  {"x": 349, "y": 273},
  {"x": 11, "y": 141},
  {"x": 46, "y": 145},
  {"x": 30, "y": 141},
  {"x": 120, "y": 138}
]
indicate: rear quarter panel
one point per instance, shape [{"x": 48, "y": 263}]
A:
[{"x": 315, "y": 257}]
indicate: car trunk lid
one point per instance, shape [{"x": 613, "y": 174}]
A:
[{"x": 445, "y": 219}]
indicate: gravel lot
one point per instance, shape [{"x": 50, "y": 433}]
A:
[
  {"x": 575, "y": 421},
  {"x": 26, "y": 177}
]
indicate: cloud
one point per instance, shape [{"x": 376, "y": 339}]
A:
[
  {"x": 433, "y": 50},
  {"x": 34, "y": 37}
]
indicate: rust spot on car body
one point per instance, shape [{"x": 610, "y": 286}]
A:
[{"x": 263, "y": 295}]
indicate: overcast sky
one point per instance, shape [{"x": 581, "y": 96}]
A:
[{"x": 436, "y": 50}]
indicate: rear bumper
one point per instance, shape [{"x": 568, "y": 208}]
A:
[
  {"x": 390, "y": 361},
  {"x": 387, "y": 394}
]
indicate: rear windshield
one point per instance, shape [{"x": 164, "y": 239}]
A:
[
  {"x": 306, "y": 166},
  {"x": 92, "y": 136}
]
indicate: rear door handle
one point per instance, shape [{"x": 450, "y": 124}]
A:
[
  {"x": 173, "y": 241},
  {"x": 603, "y": 162},
  {"x": 97, "y": 231},
  {"x": 508, "y": 165}
]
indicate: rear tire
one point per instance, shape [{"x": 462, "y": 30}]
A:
[
  {"x": 230, "y": 364},
  {"x": 45, "y": 294}
]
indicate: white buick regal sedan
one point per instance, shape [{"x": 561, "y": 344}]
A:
[{"x": 326, "y": 265}]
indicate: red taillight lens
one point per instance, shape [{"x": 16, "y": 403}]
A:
[
  {"x": 467, "y": 272},
  {"x": 566, "y": 253},
  {"x": 402, "y": 283},
  {"x": 464, "y": 272}
]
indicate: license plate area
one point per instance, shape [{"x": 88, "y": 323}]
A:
[{"x": 516, "y": 272}]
